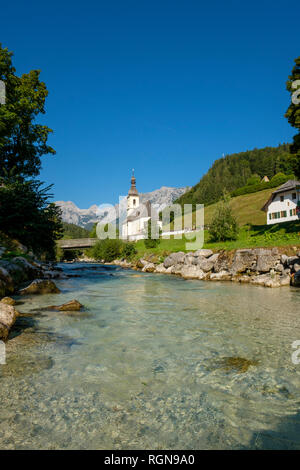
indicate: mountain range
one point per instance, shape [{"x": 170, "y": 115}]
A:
[{"x": 106, "y": 214}]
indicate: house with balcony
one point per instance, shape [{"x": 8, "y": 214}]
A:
[{"x": 284, "y": 203}]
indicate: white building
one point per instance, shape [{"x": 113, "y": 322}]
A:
[
  {"x": 284, "y": 203},
  {"x": 135, "y": 226}
]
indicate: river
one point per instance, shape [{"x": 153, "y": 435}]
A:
[{"x": 154, "y": 362}]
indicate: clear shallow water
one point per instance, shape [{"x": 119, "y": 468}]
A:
[{"x": 146, "y": 367}]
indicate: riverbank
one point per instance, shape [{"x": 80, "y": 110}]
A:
[
  {"x": 259, "y": 266},
  {"x": 19, "y": 272}
]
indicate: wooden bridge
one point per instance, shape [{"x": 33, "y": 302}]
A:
[{"x": 77, "y": 243}]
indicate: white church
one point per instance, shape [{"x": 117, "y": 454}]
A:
[{"x": 136, "y": 223}]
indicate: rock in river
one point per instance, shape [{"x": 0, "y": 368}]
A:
[
  {"x": 71, "y": 306},
  {"x": 40, "y": 286}
]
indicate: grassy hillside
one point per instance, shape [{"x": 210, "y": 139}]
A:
[
  {"x": 285, "y": 235},
  {"x": 233, "y": 171},
  {"x": 246, "y": 208}
]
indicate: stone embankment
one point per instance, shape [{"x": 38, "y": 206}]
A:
[{"x": 259, "y": 266}]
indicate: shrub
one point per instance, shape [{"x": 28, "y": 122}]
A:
[
  {"x": 128, "y": 250},
  {"x": 255, "y": 179},
  {"x": 224, "y": 225},
  {"x": 107, "y": 250},
  {"x": 152, "y": 242}
]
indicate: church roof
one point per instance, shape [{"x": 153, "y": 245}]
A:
[{"x": 144, "y": 210}]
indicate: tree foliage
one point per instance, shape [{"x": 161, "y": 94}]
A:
[
  {"x": 22, "y": 140},
  {"x": 224, "y": 225},
  {"x": 74, "y": 231},
  {"x": 27, "y": 216},
  {"x": 110, "y": 249},
  {"x": 293, "y": 114},
  {"x": 26, "y": 213}
]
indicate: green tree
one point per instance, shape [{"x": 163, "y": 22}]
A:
[
  {"x": 293, "y": 114},
  {"x": 224, "y": 225},
  {"x": 27, "y": 215},
  {"x": 22, "y": 140}
]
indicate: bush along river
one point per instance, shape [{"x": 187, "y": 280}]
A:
[{"x": 152, "y": 362}]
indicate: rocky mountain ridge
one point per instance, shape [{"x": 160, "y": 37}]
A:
[{"x": 87, "y": 217}]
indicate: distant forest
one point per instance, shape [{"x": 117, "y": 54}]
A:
[
  {"x": 74, "y": 231},
  {"x": 234, "y": 171}
]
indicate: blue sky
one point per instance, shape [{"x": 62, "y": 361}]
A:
[{"x": 163, "y": 86}]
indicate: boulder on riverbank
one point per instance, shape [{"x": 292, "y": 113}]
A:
[
  {"x": 8, "y": 301},
  {"x": 8, "y": 316},
  {"x": 296, "y": 279},
  {"x": 40, "y": 286}
]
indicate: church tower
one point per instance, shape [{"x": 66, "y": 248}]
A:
[{"x": 133, "y": 198}]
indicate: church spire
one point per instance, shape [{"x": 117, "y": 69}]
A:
[{"x": 133, "y": 190}]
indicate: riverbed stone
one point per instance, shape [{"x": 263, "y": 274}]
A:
[
  {"x": 141, "y": 263},
  {"x": 266, "y": 259},
  {"x": 220, "y": 276},
  {"x": 296, "y": 267},
  {"x": 8, "y": 316},
  {"x": 204, "y": 252},
  {"x": 72, "y": 305},
  {"x": 149, "y": 268},
  {"x": 292, "y": 260},
  {"x": 8, "y": 301},
  {"x": 279, "y": 268},
  {"x": 174, "y": 258},
  {"x": 192, "y": 272},
  {"x": 190, "y": 259},
  {"x": 243, "y": 260},
  {"x": 295, "y": 279},
  {"x": 285, "y": 280},
  {"x": 40, "y": 286},
  {"x": 223, "y": 261},
  {"x": 206, "y": 264},
  {"x": 176, "y": 269},
  {"x": 160, "y": 268},
  {"x": 270, "y": 280}
]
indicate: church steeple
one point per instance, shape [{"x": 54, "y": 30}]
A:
[
  {"x": 133, "y": 191},
  {"x": 133, "y": 199}
]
